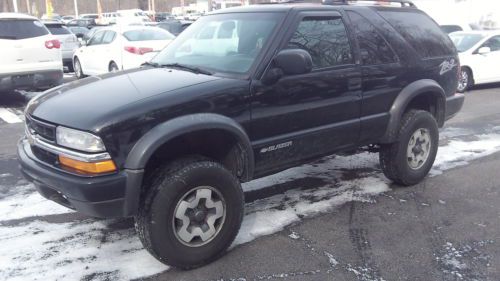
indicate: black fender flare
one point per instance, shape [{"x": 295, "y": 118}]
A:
[
  {"x": 162, "y": 133},
  {"x": 424, "y": 86}
]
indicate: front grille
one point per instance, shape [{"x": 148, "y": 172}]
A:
[
  {"x": 45, "y": 156},
  {"x": 44, "y": 130}
]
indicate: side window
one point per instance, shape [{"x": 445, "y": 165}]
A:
[
  {"x": 96, "y": 39},
  {"x": 108, "y": 37},
  {"x": 421, "y": 32},
  {"x": 325, "y": 38},
  {"x": 374, "y": 49},
  {"x": 493, "y": 43}
]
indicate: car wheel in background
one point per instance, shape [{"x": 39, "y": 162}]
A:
[
  {"x": 113, "y": 67},
  {"x": 465, "y": 80},
  {"x": 78, "y": 69}
]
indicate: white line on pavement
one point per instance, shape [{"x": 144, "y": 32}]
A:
[{"x": 8, "y": 116}]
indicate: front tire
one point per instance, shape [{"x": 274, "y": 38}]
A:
[
  {"x": 465, "y": 81},
  {"x": 409, "y": 160},
  {"x": 78, "y": 68},
  {"x": 191, "y": 213}
]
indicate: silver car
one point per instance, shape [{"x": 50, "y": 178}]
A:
[{"x": 69, "y": 42}]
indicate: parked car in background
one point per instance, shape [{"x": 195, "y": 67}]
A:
[
  {"x": 159, "y": 17},
  {"x": 479, "y": 53},
  {"x": 89, "y": 16},
  {"x": 111, "y": 49},
  {"x": 88, "y": 23},
  {"x": 79, "y": 31},
  {"x": 174, "y": 26},
  {"x": 54, "y": 17},
  {"x": 31, "y": 56},
  {"x": 69, "y": 42},
  {"x": 449, "y": 28},
  {"x": 109, "y": 18},
  {"x": 66, "y": 19}
]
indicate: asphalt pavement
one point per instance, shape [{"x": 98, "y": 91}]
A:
[{"x": 445, "y": 228}]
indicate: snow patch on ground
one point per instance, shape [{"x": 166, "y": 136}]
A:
[
  {"x": 28, "y": 203},
  {"x": 73, "y": 251},
  {"x": 459, "y": 153}
]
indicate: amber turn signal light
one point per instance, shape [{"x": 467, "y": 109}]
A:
[{"x": 100, "y": 167}]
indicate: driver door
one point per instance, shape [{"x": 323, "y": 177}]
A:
[
  {"x": 88, "y": 55},
  {"x": 313, "y": 114},
  {"x": 488, "y": 70}
]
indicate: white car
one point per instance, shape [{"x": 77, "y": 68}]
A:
[
  {"x": 69, "y": 42},
  {"x": 479, "y": 53},
  {"x": 119, "y": 48},
  {"x": 31, "y": 56}
]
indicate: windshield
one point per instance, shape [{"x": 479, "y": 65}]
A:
[
  {"x": 465, "y": 41},
  {"x": 226, "y": 43}
]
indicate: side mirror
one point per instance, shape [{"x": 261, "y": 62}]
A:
[
  {"x": 288, "y": 62},
  {"x": 293, "y": 61},
  {"x": 484, "y": 50},
  {"x": 83, "y": 42}
]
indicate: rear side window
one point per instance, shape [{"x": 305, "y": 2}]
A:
[
  {"x": 146, "y": 35},
  {"x": 58, "y": 29},
  {"x": 374, "y": 49},
  {"x": 421, "y": 32},
  {"x": 325, "y": 39},
  {"x": 14, "y": 29}
]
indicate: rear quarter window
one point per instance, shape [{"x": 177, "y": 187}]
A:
[
  {"x": 13, "y": 29},
  {"x": 421, "y": 32}
]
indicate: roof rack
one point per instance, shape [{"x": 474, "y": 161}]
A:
[{"x": 404, "y": 3}]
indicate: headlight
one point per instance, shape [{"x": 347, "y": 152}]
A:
[{"x": 79, "y": 140}]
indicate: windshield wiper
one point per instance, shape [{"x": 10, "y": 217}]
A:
[
  {"x": 193, "y": 69},
  {"x": 153, "y": 64}
]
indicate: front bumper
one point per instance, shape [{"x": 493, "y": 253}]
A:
[
  {"x": 31, "y": 80},
  {"x": 454, "y": 105},
  {"x": 115, "y": 195}
]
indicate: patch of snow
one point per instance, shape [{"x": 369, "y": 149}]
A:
[
  {"x": 73, "y": 251},
  {"x": 442, "y": 202},
  {"x": 28, "y": 204},
  {"x": 5, "y": 175},
  {"x": 294, "y": 235},
  {"x": 331, "y": 259},
  {"x": 459, "y": 153},
  {"x": 8, "y": 116}
]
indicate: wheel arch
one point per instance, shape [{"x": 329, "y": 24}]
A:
[
  {"x": 423, "y": 94},
  {"x": 179, "y": 127}
]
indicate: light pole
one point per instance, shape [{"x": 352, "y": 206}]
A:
[
  {"x": 75, "y": 2},
  {"x": 14, "y": 3},
  {"x": 28, "y": 8}
]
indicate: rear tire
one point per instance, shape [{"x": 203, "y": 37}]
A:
[
  {"x": 78, "y": 69},
  {"x": 465, "y": 82},
  {"x": 113, "y": 67},
  {"x": 409, "y": 160},
  {"x": 197, "y": 193}
]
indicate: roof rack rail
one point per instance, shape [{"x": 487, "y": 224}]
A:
[{"x": 404, "y": 3}]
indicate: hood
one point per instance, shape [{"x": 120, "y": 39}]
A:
[{"x": 84, "y": 103}]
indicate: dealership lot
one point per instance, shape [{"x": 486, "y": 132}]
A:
[{"x": 335, "y": 218}]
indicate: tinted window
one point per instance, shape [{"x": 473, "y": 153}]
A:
[
  {"x": 493, "y": 44},
  {"x": 108, "y": 37},
  {"x": 58, "y": 29},
  {"x": 465, "y": 41},
  {"x": 325, "y": 39},
  {"x": 21, "y": 29},
  {"x": 374, "y": 49},
  {"x": 421, "y": 32},
  {"x": 147, "y": 34},
  {"x": 97, "y": 38}
]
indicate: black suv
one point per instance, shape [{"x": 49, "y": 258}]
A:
[{"x": 242, "y": 93}]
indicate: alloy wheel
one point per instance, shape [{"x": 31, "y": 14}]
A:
[{"x": 199, "y": 216}]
